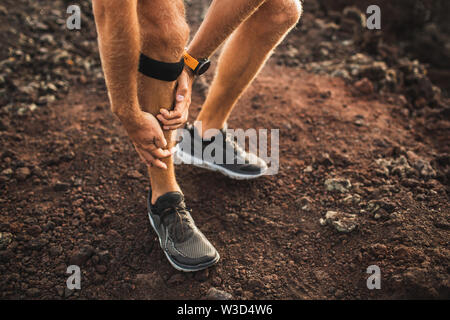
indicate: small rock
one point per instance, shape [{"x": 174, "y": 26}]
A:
[
  {"x": 101, "y": 268},
  {"x": 7, "y": 173},
  {"x": 68, "y": 292},
  {"x": 338, "y": 185},
  {"x": 96, "y": 222},
  {"x": 304, "y": 203},
  {"x": 359, "y": 120},
  {"x": 216, "y": 294},
  {"x": 321, "y": 275},
  {"x": 5, "y": 239},
  {"x": 82, "y": 256},
  {"x": 342, "y": 222},
  {"x": 33, "y": 292},
  {"x": 23, "y": 173},
  {"x": 149, "y": 280},
  {"x": 402, "y": 252},
  {"x": 3, "y": 10},
  {"x": 364, "y": 86},
  {"x": 177, "y": 278},
  {"x": 61, "y": 186},
  {"x": 375, "y": 71},
  {"x": 409, "y": 182},
  {"x": 378, "y": 249},
  {"x": 231, "y": 217},
  {"x": 54, "y": 251},
  {"x": 60, "y": 290},
  {"x": 422, "y": 166},
  {"x": 325, "y": 159},
  {"x": 351, "y": 199},
  {"x": 255, "y": 284},
  {"x": 339, "y": 294},
  {"x": 202, "y": 275},
  {"x": 106, "y": 219},
  {"x": 34, "y": 230},
  {"x": 398, "y": 166}
]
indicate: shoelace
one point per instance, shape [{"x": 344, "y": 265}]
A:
[
  {"x": 178, "y": 222},
  {"x": 230, "y": 139}
]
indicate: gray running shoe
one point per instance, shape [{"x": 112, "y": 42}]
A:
[
  {"x": 184, "y": 245},
  {"x": 243, "y": 165}
]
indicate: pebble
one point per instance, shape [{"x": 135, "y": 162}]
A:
[
  {"x": 23, "y": 173},
  {"x": 61, "y": 186},
  {"x": 342, "y": 222},
  {"x": 202, "y": 275},
  {"x": 231, "y": 217},
  {"x": 5, "y": 239},
  {"x": 101, "y": 268},
  {"x": 338, "y": 184},
  {"x": 82, "y": 256},
  {"x": 177, "y": 278},
  {"x": 216, "y": 294}
]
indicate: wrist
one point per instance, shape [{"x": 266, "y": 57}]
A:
[
  {"x": 189, "y": 71},
  {"x": 130, "y": 117}
]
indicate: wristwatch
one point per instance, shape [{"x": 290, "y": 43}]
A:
[{"x": 199, "y": 66}]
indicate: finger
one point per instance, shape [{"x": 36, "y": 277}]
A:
[
  {"x": 140, "y": 154},
  {"x": 160, "y": 153},
  {"x": 170, "y": 114},
  {"x": 159, "y": 139},
  {"x": 173, "y": 127},
  {"x": 171, "y": 122},
  {"x": 183, "y": 99},
  {"x": 182, "y": 88},
  {"x": 146, "y": 157},
  {"x": 153, "y": 162}
]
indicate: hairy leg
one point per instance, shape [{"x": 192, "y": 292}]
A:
[
  {"x": 243, "y": 56},
  {"x": 164, "y": 34}
]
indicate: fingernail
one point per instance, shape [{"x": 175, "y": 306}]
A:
[{"x": 180, "y": 97}]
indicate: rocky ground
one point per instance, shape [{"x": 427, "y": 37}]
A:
[{"x": 364, "y": 172}]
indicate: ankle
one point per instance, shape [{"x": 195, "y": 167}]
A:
[
  {"x": 158, "y": 192},
  {"x": 208, "y": 129}
]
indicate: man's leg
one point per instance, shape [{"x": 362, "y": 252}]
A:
[
  {"x": 243, "y": 56},
  {"x": 164, "y": 34}
]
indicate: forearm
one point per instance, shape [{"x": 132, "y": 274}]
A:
[
  {"x": 221, "y": 20},
  {"x": 118, "y": 37}
]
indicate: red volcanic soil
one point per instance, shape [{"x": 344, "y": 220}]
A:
[{"x": 73, "y": 191}]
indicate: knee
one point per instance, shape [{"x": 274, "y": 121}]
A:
[
  {"x": 165, "y": 34},
  {"x": 104, "y": 9},
  {"x": 99, "y": 8},
  {"x": 282, "y": 14}
]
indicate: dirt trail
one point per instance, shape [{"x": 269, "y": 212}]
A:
[
  {"x": 86, "y": 201},
  {"x": 72, "y": 191}
]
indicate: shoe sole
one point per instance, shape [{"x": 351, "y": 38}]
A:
[
  {"x": 189, "y": 159},
  {"x": 178, "y": 266}
]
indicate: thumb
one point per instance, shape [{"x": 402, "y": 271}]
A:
[{"x": 160, "y": 140}]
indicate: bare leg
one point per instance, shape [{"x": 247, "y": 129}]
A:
[
  {"x": 244, "y": 54},
  {"x": 164, "y": 34}
]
